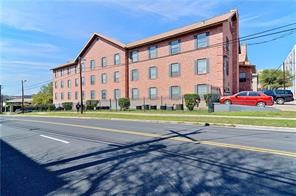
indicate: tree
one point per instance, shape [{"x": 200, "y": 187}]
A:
[
  {"x": 274, "y": 79},
  {"x": 44, "y": 96}
]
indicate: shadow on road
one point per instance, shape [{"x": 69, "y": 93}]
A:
[
  {"x": 21, "y": 175},
  {"x": 156, "y": 166}
]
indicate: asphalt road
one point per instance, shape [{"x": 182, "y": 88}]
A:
[{"x": 62, "y": 156}]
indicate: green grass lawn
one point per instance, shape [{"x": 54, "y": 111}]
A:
[{"x": 197, "y": 118}]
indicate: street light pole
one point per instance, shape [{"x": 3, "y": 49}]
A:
[
  {"x": 284, "y": 72},
  {"x": 80, "y": 77},
  {"x": 23, "y": 111}
]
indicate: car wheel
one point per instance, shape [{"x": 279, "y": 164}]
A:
[
  {"x": 228, "y": 102},
  {"x": 280, "y": 101},
  {"x": 261, "y": 104}
]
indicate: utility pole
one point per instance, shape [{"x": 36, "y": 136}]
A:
[
  {"x": 80, "y": 77},
  {"x": 284, "y": 72},
  {"x": 23, "y": 109},
  {"x": 1, "y": 100}
]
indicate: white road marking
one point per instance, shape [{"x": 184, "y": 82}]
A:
[{"x": 64, "y": 141}]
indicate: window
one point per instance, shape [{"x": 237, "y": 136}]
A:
[
  {"x": 175, "y": 92},
  {"x": 83, "y": 81},
  {"x": 62, "y": 72},
  {"x": 116, "y": 59},
  {"x": 83, "y": 95},
  {"x": 82, "y": 67},
  {"x": 104, "y": 78},
  {"x": 104, "y": 94},
  {"x": 55, "y": 96},
  {"x": 152, "y": 52},
  {"x": 134, "y": 56},
  {"x": 62, "y": 84},
  {"x": 244, "y": 93},
  {"x": 68, "y": 70},
  {"x": 252, "y": 93},
  {"x": 55, "y": 74},
  {"x": 69, "y": 83},
  {"x": 62, "y": 96},
  {"x": 227, "y": 44},
  {"x": 116, "y": 93},
  {"x": 104, "y": 61},
  {"x": 175, "y": 47},
  {"x": 174, "y": 69},
  {"x": 116, "y": 76},
  {"x": 152, "y": 73},
  {"x": 152, "y": 93},
  {"x": 55, "y": 84},
  {"x": 76, "y": 82},
  {"x": 69, "y": 95},
  {"x": 202, "y": 40},
  {"x": 242, "y": 77},
  {"x": 201, "y": 66},
  {"x": 92, "y": 79},
  {"x": 202, "y": 89},
  {"x": 76, "y": 95},
  {"x": 135, "y": 93},
  {"x": 92, "y": 64},
  {"x": 92, "y": 94},
  {"x": 135, "y": 75},
  {"x": 226, "y": 66},
  {"x": 76, "y": 69}
]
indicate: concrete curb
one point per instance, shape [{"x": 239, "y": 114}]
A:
[{"x": 218, "y": 125}]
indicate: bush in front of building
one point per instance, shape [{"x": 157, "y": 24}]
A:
[
  {"x": 214, "y": 98},
  {"x": 67, "y": 105},
  {"x": 51, "y": 107},
  {"x": 191, "y": 100},
  {"x": 41, "y": 107},
  {"x": 124, "y": 103},
  {"x": 91, "y": 104}
]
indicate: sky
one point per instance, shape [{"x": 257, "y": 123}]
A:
[{"x": 37, "y": 35}]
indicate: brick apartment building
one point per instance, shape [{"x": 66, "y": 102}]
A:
[
  {"x": 247, "y": 71},
  {"x": 198, "y": 58}
]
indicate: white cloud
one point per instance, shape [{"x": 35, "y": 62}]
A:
[{"x": 168, "y": 9}]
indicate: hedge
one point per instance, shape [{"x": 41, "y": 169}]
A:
[
  {"x": 67, "y": 105},
  {"x": 191, "y": 100},
  {"x": 124, "y": 103}
]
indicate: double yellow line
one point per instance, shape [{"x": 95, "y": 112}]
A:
[{"x": 154, "y": 135}]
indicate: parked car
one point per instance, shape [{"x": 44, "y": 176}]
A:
[
  {"x": 251, "y": 98},
  {"x": 26, "y": 110},
  {"x": 280, "y": 96}
]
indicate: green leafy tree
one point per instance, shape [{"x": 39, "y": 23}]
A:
[
  {"x": 274, "y": 79},
  {"x": 44, "y": 96}
]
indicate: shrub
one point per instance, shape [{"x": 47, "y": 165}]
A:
[
  {"x": 124, "y": 103},
  {"x": 212, "y": 97},
  {"x": 42, "y": 107},
  {"x": 191, "y": 100},
  {"x": 51, "y": 107},
  {"x": 67, "y": 105},
  {"x": 91, "y": 104}
]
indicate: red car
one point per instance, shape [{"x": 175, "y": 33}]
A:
[{"x": 250, "y": 98}]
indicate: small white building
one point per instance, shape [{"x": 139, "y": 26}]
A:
[{"x": 290, "y": 66}]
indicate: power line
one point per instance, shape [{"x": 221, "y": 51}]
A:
[{"x": 268, "y": 30}]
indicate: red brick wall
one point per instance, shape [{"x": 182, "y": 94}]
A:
[{"x": 247, "y": 85}]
